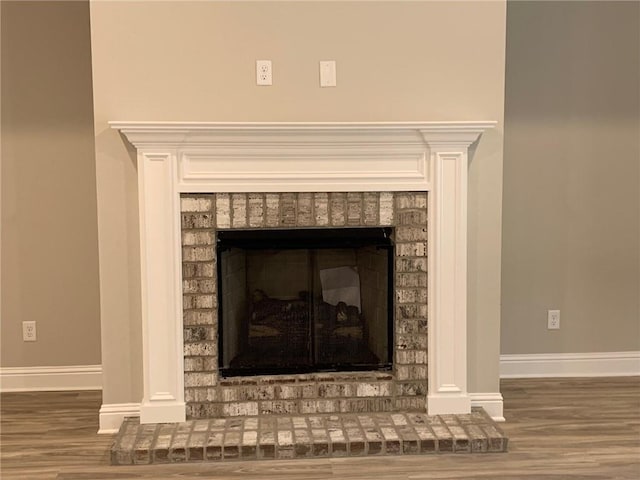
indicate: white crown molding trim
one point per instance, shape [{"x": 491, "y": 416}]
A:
[
  {"x": 596, "y": 364},
  {"x": 302, "y": 156},
  {"x": 175, "y": 157},
  {"x": 42, "y": 379},
  {"x": 113, "y": 414},
  {"x": 492, "y": 402}
]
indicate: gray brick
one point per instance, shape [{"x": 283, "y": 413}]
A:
[
  {"x": 413, "y": 249},
  {"x": 256, "y": 210},
  {"x": 240, "y": 408},
  {"x": 413, "y": 218},
  {"x": 223, "y": 210},
  {"x": 338, "y": 208},
  {"x": 195, "y": 204},
  {"x": 272, "y": 201},
  {"x": 386, "y": 214},
  {"x": 193, "y": 364},
  {"x": 199, "y": 349},
  {"x": 198, "y": 301},
  {"x": 411, "y": 295},
  {"x": 198, "y": 286},
  {"x": 411, "y": 264},
  {"x": 354, "y": 208},
  {"x": 196, "y": 220},
  {"x": 288, "y": 209},
  {"x": 411, "y": 234},
  {"x": 194, "y": 270},
  {"x": 321, "y": 209},
  {"x": 411, "y": 311},
  {"x": 239, "y": 210},
  {"x": 198, "y": 334},
  {"x": 370, "y": 208},
  {"x": 197, "y": 237},
  {"x": 411, "y": 279},
  {"x": 199, "y": 379},
  {"x": 305, "y": 210},
  {"x": 411, "y": 200},
  {"x": 197, "y": 254},
  {"x": 411, "y": 342},
  {"x": 198, "y": 318}
]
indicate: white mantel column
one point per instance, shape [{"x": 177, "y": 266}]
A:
[
  {"x": 161, "y": 287},
  {"x": 447, "y": 250}
]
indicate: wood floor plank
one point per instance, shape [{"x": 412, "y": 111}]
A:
[{"x": 558, "y": 429}]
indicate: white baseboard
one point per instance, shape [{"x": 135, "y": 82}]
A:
[
  {"x": 40, "y": 379},
  {"x": 112, "y": 415},
  {"x": 491, "y": 402},
  {"x": 597, "y": 364}
]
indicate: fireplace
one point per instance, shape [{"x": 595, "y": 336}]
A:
[
  {"x": 326, "y": 315},
  {"x": 200, "y": 182},
  {"x": 304, "y": 300}
]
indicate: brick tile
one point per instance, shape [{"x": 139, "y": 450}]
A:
[
  {"x": 444, "y": 438},
  {"x": 197, "y": 254},
  {"x": 302, "y": 442},
  {"x": 338, "y": 209},
  {"x": 477, "y": 438},
  {"x": 386, "y": 214},
  {"x": 196, "y": 446},
  {"x": 288, "y": 209},
  {"x": 231, "y": 445},
  {"x": 496, "y": 440},
  {"x": 223, "y": 210},
  {"x": 305, "y": 210},
  {"x": 256, "y": 210},
  {"x": 201, "y": 269},
  {"x": 197, "y": 237},
  {"x": 370, "y": 208},
  {"x": 284, "y": 448},
  {"x": 196, "y": 204},
  {"x": 354, "y": 208},
  {"x": 196, "y": 220},
  {"x": 321, "y": 209},
  {"x": 272, "y": 213},
  {"x": 239, "y": 210},
  {"x": 266, "y": 444},
  {"x": 213, "y": 450}
]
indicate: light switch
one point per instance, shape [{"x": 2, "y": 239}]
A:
[{"x": 328, "y": 73}]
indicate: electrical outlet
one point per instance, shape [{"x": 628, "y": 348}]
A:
[
  {"x": 263, "y": 72},
  {"x": 553, "y": 319},
  {"x": 29, "y": 331}
]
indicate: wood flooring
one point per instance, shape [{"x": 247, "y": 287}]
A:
[{"x": 558, "y": 429}]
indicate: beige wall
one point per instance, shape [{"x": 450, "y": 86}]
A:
[
  {"x": 571, "y": 177},
  {"x": 49, "y": 234},
  {"x": 195, "y": 61}
]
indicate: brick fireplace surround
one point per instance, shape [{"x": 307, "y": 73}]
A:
[
  {"x": 195, "y": 178},
  {"x": 404, "y": 389}
]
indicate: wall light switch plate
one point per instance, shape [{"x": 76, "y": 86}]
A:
[{"x": 328, "y": 73}]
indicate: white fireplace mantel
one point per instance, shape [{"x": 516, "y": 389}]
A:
[{"x": 176, "y": 158}]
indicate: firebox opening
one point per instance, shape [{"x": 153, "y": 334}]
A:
[{"x": 305, "y": 300}]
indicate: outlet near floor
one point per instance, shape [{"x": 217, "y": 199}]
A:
[
  {"x": 553, "y": 319},
  {"x": 29, "y": 331},
  {"x": 263, "y": 72}
]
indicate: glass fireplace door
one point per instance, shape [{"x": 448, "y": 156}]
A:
[{"x": 294, "y": 301}]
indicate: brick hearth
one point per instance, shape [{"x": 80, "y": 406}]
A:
[{"x": 288, "y": 437}]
